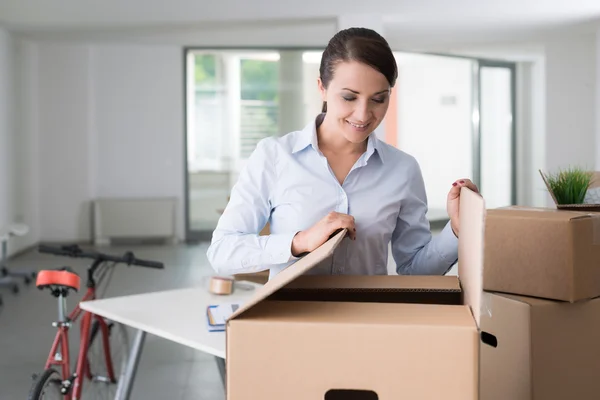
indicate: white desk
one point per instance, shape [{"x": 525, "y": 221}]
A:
[{"x": 177, "y": 315}]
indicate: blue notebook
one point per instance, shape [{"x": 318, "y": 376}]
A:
[{"x": 217, "y": 315}]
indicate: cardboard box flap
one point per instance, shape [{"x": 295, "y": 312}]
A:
[
  {"x": 292, "y": 272},
  {"x": 470, "y": 249}
]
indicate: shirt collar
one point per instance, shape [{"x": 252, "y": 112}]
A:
[
  {"x": 373, "y": 146},
  {"x": 308, "y": 137}
]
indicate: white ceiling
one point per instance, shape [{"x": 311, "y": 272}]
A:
[
  {"x": 46, "y": 14},
  {"x": 414, "y": 20}
]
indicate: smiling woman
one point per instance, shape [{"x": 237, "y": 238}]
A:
[
  {"x": 359, "y": 183},
  {"x": 355, "y": 103},
  {"x": 359, "y": 108}
]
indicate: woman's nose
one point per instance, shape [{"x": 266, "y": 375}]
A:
[{"x": 361, "y": 113}]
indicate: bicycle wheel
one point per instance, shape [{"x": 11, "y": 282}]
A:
[
  {"x": 100, "y": 387},
  {"x": 46, "y": 386}
]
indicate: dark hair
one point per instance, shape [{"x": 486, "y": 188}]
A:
[{"x": 362, "y": 45}]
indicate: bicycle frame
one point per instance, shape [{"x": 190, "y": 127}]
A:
[{"x": 59, "y": 353}]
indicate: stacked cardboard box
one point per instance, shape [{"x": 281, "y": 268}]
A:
[
  {"x": 542, "y": 277},
  {"x": 542, "y": 272},
  {"x": 432, "y": 337}
]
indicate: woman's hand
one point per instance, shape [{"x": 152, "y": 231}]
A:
[
  {"x": 319, "y": 233},
  {"x": 453, "y": 202}
]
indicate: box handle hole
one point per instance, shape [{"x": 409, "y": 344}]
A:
[
  {"x": 489, "y": 339},
  {"x": 346, "y": 394}
]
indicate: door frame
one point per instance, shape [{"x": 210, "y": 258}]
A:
[{"x": 476, "y": 120}]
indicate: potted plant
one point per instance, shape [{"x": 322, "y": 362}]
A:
[{"x": 568, "y": 187}]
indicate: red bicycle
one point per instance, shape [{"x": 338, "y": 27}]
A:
[{"x": 103, "y": 347}]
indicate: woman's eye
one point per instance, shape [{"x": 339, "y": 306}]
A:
[{"x": 376, "y": 100}]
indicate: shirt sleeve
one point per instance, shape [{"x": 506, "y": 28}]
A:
[
  {"x": 415, "y": 250},
  {"x": 236, "y": 246}
]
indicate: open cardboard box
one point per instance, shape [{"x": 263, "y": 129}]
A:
[
  {"x": 391, "y": 337},
  {"x": 410, "y": 337},
  {"x": 595, "y": 184}
]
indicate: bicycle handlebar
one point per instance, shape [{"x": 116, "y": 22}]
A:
[{"x": 76, "y": 252}]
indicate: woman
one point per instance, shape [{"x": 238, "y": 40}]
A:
[{"x": 336, "y": 174}]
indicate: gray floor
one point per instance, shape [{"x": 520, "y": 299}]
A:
[{"x": 167, "y": 370}]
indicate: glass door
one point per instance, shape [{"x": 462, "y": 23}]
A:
[
  {"x": 494, "y": 148},
  {"x": 234, "y": 99}
]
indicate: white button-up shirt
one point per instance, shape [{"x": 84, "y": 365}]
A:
[{"x": 288, "y": 183}]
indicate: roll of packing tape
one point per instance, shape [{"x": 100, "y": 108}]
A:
[{"x": 221, "y": 285}]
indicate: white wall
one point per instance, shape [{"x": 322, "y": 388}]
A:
[
  {"x": 303, "y": 33},
  {"x": 104, "y": 114},
  {"x": 138, "y": 122},
  {"x": 537, "y": 135},
  {"x": 15, "y": 176},
  {"x": 64, "y": 102},
  {"x": 571, "y": 77},
  {"x": 6, "y": 129},
  {"x": 110, "y": 124},
  {"x": 26, "y": 144}
]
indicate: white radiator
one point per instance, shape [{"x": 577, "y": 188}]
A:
[{"x": 134, "y": 218}]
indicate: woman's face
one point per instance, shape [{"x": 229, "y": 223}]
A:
[{"x": 357, "y": 99}]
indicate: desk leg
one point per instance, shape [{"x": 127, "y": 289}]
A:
[
  {"x": 222, "y": 370},
  {"x": 126, "y": 384}
]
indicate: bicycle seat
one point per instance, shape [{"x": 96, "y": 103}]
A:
[{"x": 62, "y": 278}]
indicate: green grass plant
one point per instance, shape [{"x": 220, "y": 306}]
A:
[{"x": 570, "y": 185}]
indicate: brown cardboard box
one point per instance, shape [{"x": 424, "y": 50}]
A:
[
  {"x": 548, "y": 253},
  {"x": 576, "y": 207},
  {"x": 386, "y": 337},
  {"x": 546, "y": 350}
]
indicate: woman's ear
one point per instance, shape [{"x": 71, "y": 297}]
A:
[{"x": 322, "y": 89}]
